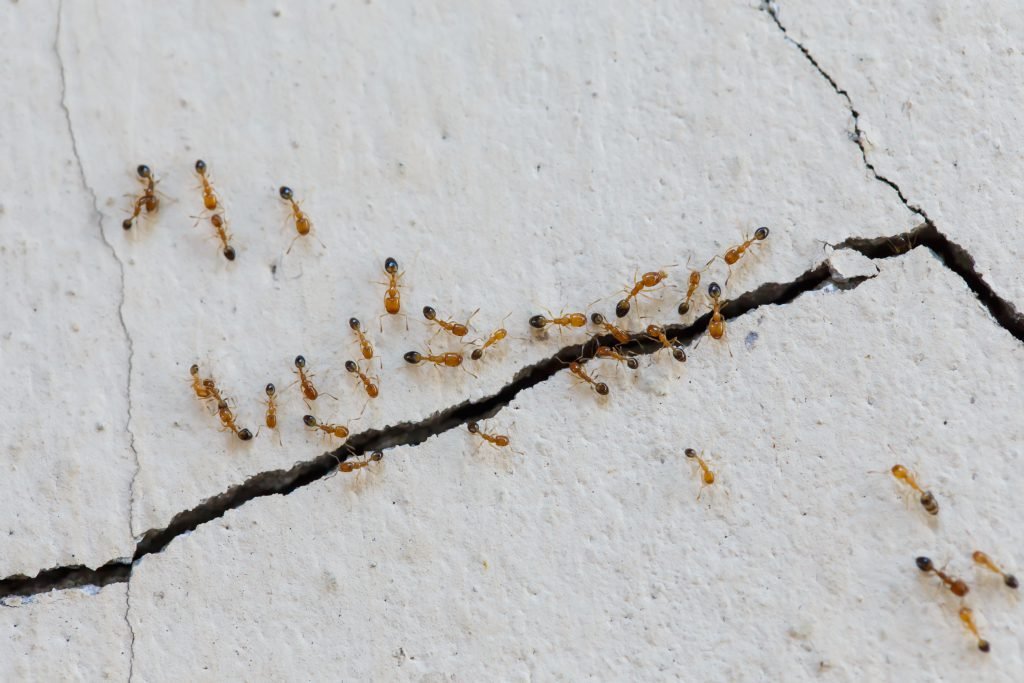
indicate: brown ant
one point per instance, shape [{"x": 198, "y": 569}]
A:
[
  {"x": 364, "y": 344},
  {"x": 967, "y": 617},
  {"x": 928, "y": 501},
  {"x": 707, "y": 476},
  {"x": 370, "y": 387},
  {"x": 210, "y": 201},
  {"x": 497, "y": 440},
  {"x": 566, "y": 320},
  {"x": 691, "y": 288},
  {"x": 303, "y": 223},
  {"x": 227, "y": 419},
  {"x": 646, "y": 281},
  {"x": 353, "y": 465},
  {"x": 734, "y": 254},
  {"x": 306, "y": 380},
  {"x": 620, "y": 334},
  {"x": 657, "y": 333},
  {"x": 956, "y": 586},
  {"x": 986, "y": 562},
  {"x": 199, "y": 385},
  {"x": 609, "y": 353},
  {"x": 339, "y": 431},
  {"x": 147, "y": 200},
  {"x": 450, "y": 359},
  {"x": 220, "y": 225},
  {"x": 577, "y": 369},
  {"x": 716, "y": 326},
  {"x": 495, "y": 337},
  {"x": 271, "y": 417},
  {"x": 392, "y": 297},
  {"x": 457, "y": 329}
]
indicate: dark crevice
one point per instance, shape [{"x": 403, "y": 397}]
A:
[
  {"x": 283, "y": 482},
  {"x": 955, "y": 257}
]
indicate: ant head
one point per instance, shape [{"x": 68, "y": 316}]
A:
[
  {"x": 473, "y": 427},
  {"x": 222, "y": 405},
  {"x": 354, "y": 323},
  {"x": 300, "y": 361},
  {"x": 684, "y": 308},
  {"x": 622, "y": 308},
  {"x": 309, "y": 420},
  {"x": 429, "y": 313},
  {"x": 194, "y": 370},
  {"x": 538, "y": 322},
  {"x": 143, "y": 171},
  {"x": 270, "y": 389},
  {"x": 632, "y": 363},
  {"x": 350, "y": 365},
  {"x": 377, "y": 456},
  {"x": 413, "y": 357},
  {"x": 924, "y": 563},
  {"x": 126, "y": 224},
  {"x": 390, "y": 265},
  {"x": 597, "y": 318},
  {"x": 285, "y": 192},
  {"x": 244, "y": 434},
  {"x": 477, "y": 354},
  {"x": 601, "y": 388},
  {"x": 690, "y": 453},
  {"x": 714, "y": 290},
  {"x": 679, "y": 354},
  {"x": 229, "y": 253},
  {"x": 761, "y": 233},
  {"x": 200, "y": 166}
]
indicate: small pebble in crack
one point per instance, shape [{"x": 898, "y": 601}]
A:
[{"x": 750, "y": 340}]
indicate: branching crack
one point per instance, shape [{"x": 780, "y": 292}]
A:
[
  {"x": 952, "y": 254},
  {"x": 98, "y": 217}
]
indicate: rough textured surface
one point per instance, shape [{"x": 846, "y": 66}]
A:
[
  {"x": 588, "y": 555},
  {"x": 514, "y": 158},
  {"x": 939, "y": 91},
  {"x": 78, "y": 634}
]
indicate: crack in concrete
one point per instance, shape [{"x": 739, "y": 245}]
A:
[
  {"x": 131, "y": 629},
  {"x": 954, "y": 256},
  {"x": 98, "y": 216}
]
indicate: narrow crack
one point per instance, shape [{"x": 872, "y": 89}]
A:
[
  {"x": 98, "y": 217},
  {"x": 128, "y": 623},
  {"x": 954, "y": 256},
  {"x": 283, "y": 482}
]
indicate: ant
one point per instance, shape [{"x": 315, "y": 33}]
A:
[
  {"x": 457, "y": 329},
  {"x": 303, "y": 223},
  {"x": 340, "y": 431},
  {"x": 364, "y": 344},
  {"x": 927, "y": 499},
  {"x": 694, "y": 282},
  {"x": 306, "y": 380},
  {"x": 495, "y": 337},
  {"x": 967, "y": 616},
  {"x": 620, "y": 334},
  {"x": 657, "y": 333},
  {"x": 227, "y": 419},
  {"x": 707, "y": 476},
  {"x": 147, "y": 200},
  {"x": 497, "y": 440},
  {"x": 449, "y": 359},
  {"x": 734, "y": 254},
  {"x": 353, "y": 465},
  {"x": 716, "y": 326},
  {"x": 392, "y": 297},
  {"x": 646, "y": 281},
  {"x": 577, "y": 369},
  {"x": 271, "y": 417},
  {"x": 571, "y": 320},
  {"x": 609, "y": 353},
  {"x": 219, "y": 224},
  {"x": 210, "y": 200},
  {"x": 956, "y": 586},
  {"x": 199, "y": 385},
  {"x": 371, "y": 388},
  {"x": 986, "y": 562}
]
